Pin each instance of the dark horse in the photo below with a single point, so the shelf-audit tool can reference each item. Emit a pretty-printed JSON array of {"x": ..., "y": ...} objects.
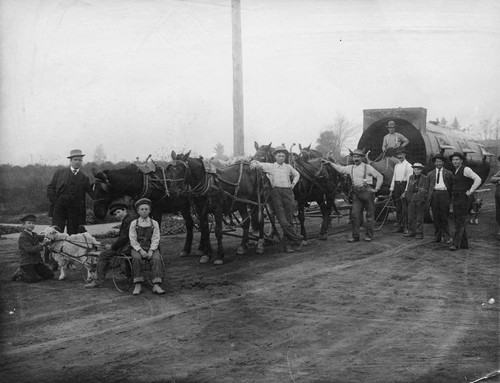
[
  {"x": 219, "y": 192},
  {"x": 317, "y": 183},
  {"x": 131, "y": 181}
]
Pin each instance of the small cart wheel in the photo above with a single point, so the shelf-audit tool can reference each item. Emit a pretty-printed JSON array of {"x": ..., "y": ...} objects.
[{"x": 121, "y": 273}]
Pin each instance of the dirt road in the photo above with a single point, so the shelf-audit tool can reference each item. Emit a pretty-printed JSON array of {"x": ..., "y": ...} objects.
[{"x": 394, "y": 310}]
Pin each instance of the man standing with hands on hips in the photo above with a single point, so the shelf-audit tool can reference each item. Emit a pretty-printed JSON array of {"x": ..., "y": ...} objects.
[{"x": 465, "y": 182}]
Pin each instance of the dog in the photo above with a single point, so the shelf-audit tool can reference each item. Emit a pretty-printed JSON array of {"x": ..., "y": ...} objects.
[
  {"x": 474, "y": 205},
  {"x": 67, "y": 249}
]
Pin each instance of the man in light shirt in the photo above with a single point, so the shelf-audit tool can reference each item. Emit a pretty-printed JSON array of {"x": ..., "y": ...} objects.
[
  {"x": 440, "y": 182},
  {"x": 392, "y": 140},
  {"x": 465, "y": 182},
  {"x": 363, "y": 192},
  {"x": 283, "y": 179},
  {"x": 402, "y": 173}
]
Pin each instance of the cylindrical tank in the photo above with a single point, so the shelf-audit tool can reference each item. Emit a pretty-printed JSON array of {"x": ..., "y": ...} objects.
[{"x": 426, "y": 139}]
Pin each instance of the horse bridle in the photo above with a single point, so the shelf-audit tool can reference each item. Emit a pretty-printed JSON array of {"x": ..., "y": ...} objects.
[{"x": 184, "y": 184}]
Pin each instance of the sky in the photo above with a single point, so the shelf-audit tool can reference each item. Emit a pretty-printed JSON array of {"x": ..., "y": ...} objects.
[{"x": 144, "y": 77}]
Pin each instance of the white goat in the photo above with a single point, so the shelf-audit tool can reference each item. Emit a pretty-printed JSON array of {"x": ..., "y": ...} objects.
[{"x": 69, "y": 248}]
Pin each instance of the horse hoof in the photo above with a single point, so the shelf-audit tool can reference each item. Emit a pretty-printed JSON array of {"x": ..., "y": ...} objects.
[
  {"x": 199, "y": 252},
  {"x": 183, "y": 254},
  {"x": 204, "y": 259},
  {"x": 305, "y": 243},
  {"x": 240, "y": 250},
  {"x": 218, "y": 262}
]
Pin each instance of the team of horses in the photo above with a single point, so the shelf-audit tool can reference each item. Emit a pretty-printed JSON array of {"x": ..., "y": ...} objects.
[{"x": 194, "y": 186}]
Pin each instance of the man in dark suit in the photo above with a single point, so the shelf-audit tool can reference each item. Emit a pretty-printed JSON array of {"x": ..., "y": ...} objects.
[
  {"x": 440, "y": 181},
  {"x": 66, "y": 193},
  {"x": 120, "y": 246}
]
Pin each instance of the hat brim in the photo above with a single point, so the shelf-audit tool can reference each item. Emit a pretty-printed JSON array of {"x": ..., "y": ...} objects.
[
  {"x": 281, "y": 151},
  {"x": 77, "y": 155},
  {"x": 113, "y": 209},
  {"x": 442, "y": 158},
  {"x": 457, "y": 155}
]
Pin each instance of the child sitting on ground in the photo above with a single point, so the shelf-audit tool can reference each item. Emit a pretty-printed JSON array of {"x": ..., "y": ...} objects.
[
  {"x": 31, "y": 267},
  {"x": 144, "y": 236}
]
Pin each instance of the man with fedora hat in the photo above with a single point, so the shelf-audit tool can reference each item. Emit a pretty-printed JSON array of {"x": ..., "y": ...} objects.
[
  {"x": 120, "y": 246},
  {"x": 465, "y": 182},
  {"x": 495, "y": 179},
  {"x": 363, "y": 192},
  {"x": 393, "y": 140},
  {"x": 440, "y": 184},
  {"x": 416, "y": 195},
  {"x": 66, "y": 193},
  {"x": 400, "y": 177},
  {"x": 283, "y": 178}
]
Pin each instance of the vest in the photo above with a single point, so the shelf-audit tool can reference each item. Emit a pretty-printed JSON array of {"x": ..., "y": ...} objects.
[
  {"x": 461, "y": 183},
  {"x": 144, "y": 235}
]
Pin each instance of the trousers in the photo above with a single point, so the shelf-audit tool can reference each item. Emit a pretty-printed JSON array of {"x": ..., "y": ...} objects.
[
  {"x": 156, "y": 263},
  {"x": 283, "y": 203},
  {"x": 362, "y": 200},
  {"x": 460, "y": 212}
]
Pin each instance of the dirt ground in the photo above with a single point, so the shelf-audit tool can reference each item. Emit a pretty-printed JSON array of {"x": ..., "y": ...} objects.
[{"x": 394, "y": 310}]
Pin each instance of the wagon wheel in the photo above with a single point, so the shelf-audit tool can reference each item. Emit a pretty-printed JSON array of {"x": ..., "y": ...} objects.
[{"x": 120, "y": 272}]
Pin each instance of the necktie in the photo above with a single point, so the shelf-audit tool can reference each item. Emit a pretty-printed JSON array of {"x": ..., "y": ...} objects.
[
  {"x": 439, "y": 173},
  {"x": 75, "y": 171}
]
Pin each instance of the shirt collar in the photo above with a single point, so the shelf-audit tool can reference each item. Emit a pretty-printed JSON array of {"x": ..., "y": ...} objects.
[{"x": 73, "y": 169}]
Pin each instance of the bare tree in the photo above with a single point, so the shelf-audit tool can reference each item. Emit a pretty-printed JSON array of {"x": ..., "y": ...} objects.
[
  {"x": 455, "y": 125},
  {"x": 99, "y": 155},
  {"x": 335, "y": 135}
]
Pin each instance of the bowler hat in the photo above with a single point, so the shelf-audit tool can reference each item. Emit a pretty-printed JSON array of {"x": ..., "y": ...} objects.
[
  {"x": 280, "y": 149},
  {"x": 418, "y": 165},
  {"x": 142, "y": 201},
  {"x": 117, "y": 206},
  {"x": 438, "y": 156},
  {"x": 391, "y": 124},
  {"x": 457, "y": 154},
  {"x": 29, "y": 217},
  {"x": 357, "y": 152},
  {"x": 76, "y": 153}
]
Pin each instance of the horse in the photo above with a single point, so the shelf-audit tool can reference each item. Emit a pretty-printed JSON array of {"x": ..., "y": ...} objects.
[
  {"x": 220, "y": 192},
  {"x": 317, "y": 183},
  {"x": 132, "y": 181}
]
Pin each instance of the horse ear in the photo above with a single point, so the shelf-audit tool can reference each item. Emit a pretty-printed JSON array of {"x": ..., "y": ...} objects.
[
  {"x": 186, "y": 156},
  {"x": 309, "y": 147},
  {"x": 350, "y": 152},
  {"x": 256, "y": 145},
  {"x": 173, "y": 155},
  {"x": 270, "y": 144},
  {"x": 300, "y": 147}
]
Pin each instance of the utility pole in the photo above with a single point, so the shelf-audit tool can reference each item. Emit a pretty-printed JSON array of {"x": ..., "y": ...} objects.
[{"x": 238, "y": 125}]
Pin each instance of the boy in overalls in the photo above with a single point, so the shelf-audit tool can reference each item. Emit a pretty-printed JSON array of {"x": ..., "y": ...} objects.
[{"x": 144, "y": 236}]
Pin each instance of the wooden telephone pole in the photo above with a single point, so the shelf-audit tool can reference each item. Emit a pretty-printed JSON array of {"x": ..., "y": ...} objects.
[{"x": 238, "y": 125}]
